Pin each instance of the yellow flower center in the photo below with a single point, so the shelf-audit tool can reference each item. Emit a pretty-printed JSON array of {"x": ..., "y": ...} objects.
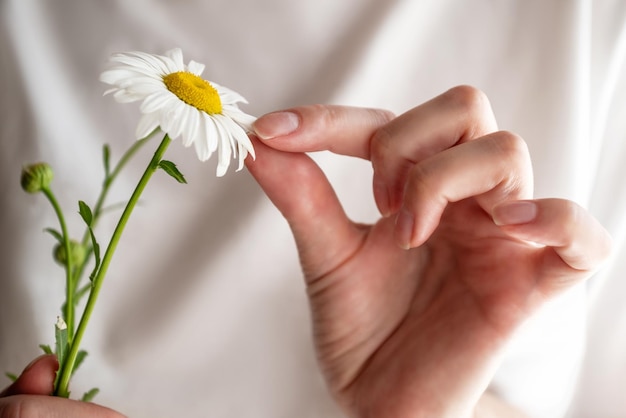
[{"x": 194, "y": 91}]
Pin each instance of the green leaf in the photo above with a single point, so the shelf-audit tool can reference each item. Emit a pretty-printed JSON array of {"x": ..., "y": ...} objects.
[
  {"x": 106, "y": 157},
  {"x": 46, "y": 348},
  {"x": 88, "y": 396},
  {"x": 60, "y": 337},
  {"x": 87, "y": 215},
  {"x": 171, "y": 169},
  {"x": 80, "y": 357},
  {"x": 56, "y": 234},
  {"x": 85, "y": 212},
  {"x": 12, "y": 377}
]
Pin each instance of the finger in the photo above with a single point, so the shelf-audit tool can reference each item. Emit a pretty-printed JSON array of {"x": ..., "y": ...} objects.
[
  {"x": 576, "y": 243},
  {"x": 36, "y": 379},
  {"x": 28, "y": 406},
  {"x": 340, "y": 129},
  {"x": 491, "y": 169},
  {"x": 458, "y": 115},
  {"x": 299, "y": 189}
]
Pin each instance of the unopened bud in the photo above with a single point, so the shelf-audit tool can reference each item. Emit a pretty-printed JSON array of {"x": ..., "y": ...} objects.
[
  {"x": 36, "y": 177},
  {"x": 77, "y": 253}
]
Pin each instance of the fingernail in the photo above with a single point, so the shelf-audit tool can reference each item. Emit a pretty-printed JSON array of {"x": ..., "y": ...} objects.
[
  {"x": 404, "y": 228},
  {"x": 514, "y": 213},
  {"x": 276, "y": 124}
]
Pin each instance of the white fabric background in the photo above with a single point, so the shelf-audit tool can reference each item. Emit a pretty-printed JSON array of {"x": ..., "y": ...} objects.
[{"x": 204, "y": 312}]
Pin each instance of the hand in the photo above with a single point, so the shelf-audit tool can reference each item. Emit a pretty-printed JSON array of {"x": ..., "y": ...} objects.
[
  {"x": 28, "y": 396},
  {"x": 417, "y": 329}
]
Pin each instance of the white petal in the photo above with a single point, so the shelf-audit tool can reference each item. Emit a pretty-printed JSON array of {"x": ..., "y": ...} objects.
[
  {"x": 123, "y": 96},
  {"x": 144, "y": 89},
  {"x": 170, "y": 119},
  {"x": 202, "y": 149},
  {"x": 244, "y": 141},
  {"x": 228, "y": 96},
  {"x": 146, "y": 64},
  {"x": 201, "y": 135},
  {"x": 190, "y": 133},
  {"x": 195, "y": 67},
  {"x": 156, "y": 63},
  {"x": 156, "y": 101},
  {"x": 176, "y": 55},
  {"x": 147, "y": 123},
  {"x": 241, "y": 151},
  {"x": 225, "y": 136},
  {"x": 224, "y": 150},
  {"x": 179, "y": 120},
  {"x": 213, "y": 132},
  {"x": 241, "y": 118},
  {"x": 237, "y": 134},
  {"x": 119, "y": 76},
  {"x": 131, "y": 71}
]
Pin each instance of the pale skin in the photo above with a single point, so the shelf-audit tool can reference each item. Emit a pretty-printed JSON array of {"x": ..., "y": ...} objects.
[
  {"x": 29, "y": 396},
  {"x": 411, "y": 314}
]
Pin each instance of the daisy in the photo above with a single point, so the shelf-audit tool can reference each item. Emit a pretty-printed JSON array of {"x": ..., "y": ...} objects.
[{"x": 180, "y": 102}]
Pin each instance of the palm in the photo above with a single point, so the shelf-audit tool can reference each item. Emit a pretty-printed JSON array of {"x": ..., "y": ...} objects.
[{"x": 378, "y": 315}]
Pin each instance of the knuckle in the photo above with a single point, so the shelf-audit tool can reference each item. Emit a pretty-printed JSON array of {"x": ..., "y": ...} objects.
[
  {"x": 421, "y": 181},
  {"x": 325, "y": 117},
  {"x": 511, "y": 146},
  {"x": 512, "y": 151},
  {"x": 380, "y": 144},
  {"x": 469, "y": 98},
  {"x": 474, "y": 104},
  {"x": 381, "y": 116},
  {"x": 382, "y": 138}
]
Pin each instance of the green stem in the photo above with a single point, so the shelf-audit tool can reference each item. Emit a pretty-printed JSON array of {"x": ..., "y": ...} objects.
[
  {"x": 69, "y": 305},
  {"x": 97, "y": 209},
  {"x": 70, "y": 359}
]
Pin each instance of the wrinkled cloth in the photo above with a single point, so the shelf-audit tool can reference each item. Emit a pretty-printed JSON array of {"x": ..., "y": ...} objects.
[{"x": 203, "y": 312}]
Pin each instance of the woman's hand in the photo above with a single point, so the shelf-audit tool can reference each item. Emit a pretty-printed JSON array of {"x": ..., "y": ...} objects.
[
  {"x": 29, "y": 396},
  {"x": 411, "y": 314}
]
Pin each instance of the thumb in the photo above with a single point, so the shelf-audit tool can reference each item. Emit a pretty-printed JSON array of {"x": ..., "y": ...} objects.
[
  {"x": 299, "y": 189},
  {"x": 36, "y": 379}
]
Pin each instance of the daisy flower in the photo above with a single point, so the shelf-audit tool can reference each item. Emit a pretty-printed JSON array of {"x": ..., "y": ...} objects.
[{"x": 176, "y": 99}]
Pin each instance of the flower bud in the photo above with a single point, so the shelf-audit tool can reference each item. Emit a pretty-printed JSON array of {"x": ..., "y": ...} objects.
[
  {"x": 36, "y": 177},
  {"x": 77, "y": 253}
]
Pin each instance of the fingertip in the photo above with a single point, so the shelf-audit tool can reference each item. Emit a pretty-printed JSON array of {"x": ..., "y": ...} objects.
[
  {"x": 48, "y": 361},
  {"x": 37, "y": 378},
  {"x": 340, "y": 129},
  {"x": 276, "y": 124},
  {"x": 578, "y": 238}
]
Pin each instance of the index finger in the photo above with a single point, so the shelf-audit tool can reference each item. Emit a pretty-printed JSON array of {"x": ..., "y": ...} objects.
[{"x": 340, "y": 129}]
